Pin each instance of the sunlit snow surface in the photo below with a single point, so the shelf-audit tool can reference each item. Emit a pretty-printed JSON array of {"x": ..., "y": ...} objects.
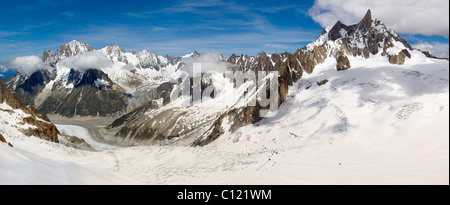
[{"x": 375, "y": 123}]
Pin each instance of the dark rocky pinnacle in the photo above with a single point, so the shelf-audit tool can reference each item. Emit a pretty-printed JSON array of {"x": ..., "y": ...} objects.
[{"x": 367, "y": 20}]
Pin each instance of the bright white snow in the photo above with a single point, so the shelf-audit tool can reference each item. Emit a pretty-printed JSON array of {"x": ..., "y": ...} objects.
[{"x": 376, "y": 123}]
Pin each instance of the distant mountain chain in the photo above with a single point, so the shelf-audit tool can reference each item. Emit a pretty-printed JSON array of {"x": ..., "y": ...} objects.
[{"x": 137, "y": 87}]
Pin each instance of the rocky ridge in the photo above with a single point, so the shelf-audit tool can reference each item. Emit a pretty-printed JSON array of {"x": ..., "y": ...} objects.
[
  {"x": 38, "y": 125},
  {"x": 341, "y": 42}
]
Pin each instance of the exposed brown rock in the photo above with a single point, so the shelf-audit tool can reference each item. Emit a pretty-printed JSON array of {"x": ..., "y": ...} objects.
[
  {"x": 400, "y": 57},
  {"x": 240, "y": 117},
  {"x": 322, "y": 82},
  {"x": 8, "y": 96},
  {"x": 45, "y": 117},
  {"x": 309, "y": 59},
  {"x": 47, "y": 56},
  {"x": 44, "y": 128},
  {"x": 367, "y": 20},
  {"x": 75, "y": 142},
  {"x": 2, "y": 139},
  {"x": 342, "y": 63}
]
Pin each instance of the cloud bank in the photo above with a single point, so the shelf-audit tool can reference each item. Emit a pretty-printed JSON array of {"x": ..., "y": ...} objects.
[
  {"x": 83, "y": 62},
  {"x": 28, "y": 64},
  {"x": 404, "y": 16},
  {"x": 210, "y": 62},
  {"x": 437, "y": 49}
]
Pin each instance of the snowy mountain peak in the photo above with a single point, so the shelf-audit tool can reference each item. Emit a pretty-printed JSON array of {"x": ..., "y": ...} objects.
[
  {"x": 71, "y": 49},
  {"x": 150, "y": 60},
  {"x": 115, "y": 52},
  {"x": 194, "y": 54},
  {"x": 363, "y": 28}
]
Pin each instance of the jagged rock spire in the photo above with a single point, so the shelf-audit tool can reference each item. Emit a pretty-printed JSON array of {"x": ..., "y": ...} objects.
[{"x": 367, "y": 20}]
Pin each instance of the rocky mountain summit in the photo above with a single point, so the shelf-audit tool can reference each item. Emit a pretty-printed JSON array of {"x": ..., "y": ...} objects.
[
  {"x": 66, "y": 50},
  {"x": 367, "y": 38}
]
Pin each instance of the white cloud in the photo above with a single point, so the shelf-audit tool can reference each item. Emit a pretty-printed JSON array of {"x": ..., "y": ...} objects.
[
  {"x": 404, "y": 16},
  {"x": 4, "y": 34},
  {"x": 210, "y": 62},
  {"x": 437, "y": 49},
  {"x": 3, "y": 68},
  {"x": 83, "y": 62},
  {"x": 28, "y": 64}
]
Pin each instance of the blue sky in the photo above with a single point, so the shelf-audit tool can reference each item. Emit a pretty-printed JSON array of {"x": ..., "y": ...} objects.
[{"x": 171, "y": 27}]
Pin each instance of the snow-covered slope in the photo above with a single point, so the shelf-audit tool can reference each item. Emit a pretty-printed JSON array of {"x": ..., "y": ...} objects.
[
  {"x": 21, "y": 167},
  {"x": 357, "y": 106},
  {"x": 376, "y": 123}
]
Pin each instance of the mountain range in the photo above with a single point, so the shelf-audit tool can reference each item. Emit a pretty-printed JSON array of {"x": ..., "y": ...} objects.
[
  {"x": 135, "y": 87},
  {"x": 358, "y": 105}
]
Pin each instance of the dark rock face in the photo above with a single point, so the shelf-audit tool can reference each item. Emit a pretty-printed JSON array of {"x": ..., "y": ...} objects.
[
  {"x": 92, "y": 77},
  {"x": 94, "y": 94},
  {"x": 74, "y": 76},
  {"x": 334, "y": 33},
  {"x": 34, "y": 85},
  {"x": 86, "y": 101}
]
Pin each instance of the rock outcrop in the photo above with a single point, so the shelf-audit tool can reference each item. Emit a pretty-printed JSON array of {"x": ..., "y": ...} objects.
[
  {"x": 400, "y": 57},
  {"x": 9, "y": 97},
  {"x": 40, "y": 127},
  {"x": 342, "y": 63},
  {"x": 3, "y": 140}
]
